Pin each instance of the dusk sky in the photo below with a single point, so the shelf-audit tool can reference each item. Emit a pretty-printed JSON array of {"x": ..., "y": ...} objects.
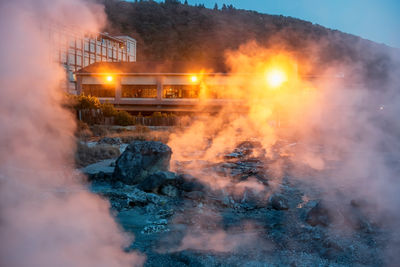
[{"x": 376, "y": 20}]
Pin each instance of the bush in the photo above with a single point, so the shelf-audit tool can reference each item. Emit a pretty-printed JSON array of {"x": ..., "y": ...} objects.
[
  {"x": 123, "y": 118},
  {"x": 87, "y": 102},
  {"x": 156, "y": 114},
  {"x": 108, "y": 110}
]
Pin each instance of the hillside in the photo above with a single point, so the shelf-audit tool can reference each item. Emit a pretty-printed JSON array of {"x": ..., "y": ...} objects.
[{"x": 175, "y": 31}]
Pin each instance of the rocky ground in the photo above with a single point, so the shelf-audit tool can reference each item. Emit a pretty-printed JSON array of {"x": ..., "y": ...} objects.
[{"x": 256, "y": 218}]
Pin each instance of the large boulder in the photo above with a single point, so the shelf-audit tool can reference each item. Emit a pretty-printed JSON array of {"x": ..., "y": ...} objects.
[{"x": 141, "y": 159}]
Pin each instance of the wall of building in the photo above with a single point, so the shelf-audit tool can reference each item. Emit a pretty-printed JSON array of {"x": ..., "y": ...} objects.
[
  {"x": 161, "y": 87},
  {"x": 76, "y": 51}
]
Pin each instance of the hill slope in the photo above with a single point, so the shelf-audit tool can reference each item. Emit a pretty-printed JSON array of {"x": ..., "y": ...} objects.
[{"x": 178, "y": 32}]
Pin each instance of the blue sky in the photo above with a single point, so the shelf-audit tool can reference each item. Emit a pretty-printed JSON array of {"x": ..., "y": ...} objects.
[{"x": 376, "y": 20}]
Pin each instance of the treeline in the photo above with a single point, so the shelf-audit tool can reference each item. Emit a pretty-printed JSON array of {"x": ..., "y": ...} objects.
[{"x": 176, "y": 31}]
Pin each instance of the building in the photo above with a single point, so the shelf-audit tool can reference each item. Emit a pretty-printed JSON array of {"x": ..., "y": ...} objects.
[
  {"x": 151, "y": 86},
  {"x": 76, "y": 51}
]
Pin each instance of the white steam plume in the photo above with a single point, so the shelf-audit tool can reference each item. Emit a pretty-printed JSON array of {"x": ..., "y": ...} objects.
[{"x": 47, "y": 217}]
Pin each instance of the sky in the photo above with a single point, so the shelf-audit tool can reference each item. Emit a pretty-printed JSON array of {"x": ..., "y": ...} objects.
[{"x": 376, "y": 20}]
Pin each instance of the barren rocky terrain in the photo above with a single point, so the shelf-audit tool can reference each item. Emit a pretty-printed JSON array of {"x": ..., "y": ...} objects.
[{"x": 257, "y": 218}]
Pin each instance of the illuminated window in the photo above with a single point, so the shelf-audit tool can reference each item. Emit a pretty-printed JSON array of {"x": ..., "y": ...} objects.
[
  {"x": 99, "y": 90},
  {"x": 181, "y": 91},
  {"x": 139, "y": 91}
]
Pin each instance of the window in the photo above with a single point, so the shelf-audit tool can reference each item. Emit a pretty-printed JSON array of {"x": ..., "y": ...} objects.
[
  {"x": 92, "y": 47},
  {"x": 92, "y": 59},
  {"x": 181, "y": 91},
  {"x": 98, "y": 90},
  {"x": 132, "y": 50},
  {"x": 71, "y": 59},
  {"x": 86, "y": 46},
  {"x": 86, "y": 61},
  {"x": 139, "y": 91},
  {"x": 79, "y": 60}
]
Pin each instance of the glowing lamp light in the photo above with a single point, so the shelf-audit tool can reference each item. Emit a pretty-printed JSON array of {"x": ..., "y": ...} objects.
[
  {"x": 276, "y": 78},
  {"x": 109, "y": 78},
  {"x": 193, "y": 79}
]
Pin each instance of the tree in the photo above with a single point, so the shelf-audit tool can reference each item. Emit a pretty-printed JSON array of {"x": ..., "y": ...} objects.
[
  {"x": 186, "y": 2},
  {"x": 216, "y": 6}
]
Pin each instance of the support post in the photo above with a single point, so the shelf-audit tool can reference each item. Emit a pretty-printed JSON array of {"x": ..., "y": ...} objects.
[
  {"x": 159, "y": 88},
  {"x": 117, "y": 89}
]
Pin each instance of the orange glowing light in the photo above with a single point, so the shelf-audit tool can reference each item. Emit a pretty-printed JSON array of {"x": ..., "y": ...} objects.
[
  {"x": 109, "y": 78},
  {"x": 276, "y": 78},
  {"x": 193, "y": 79}
]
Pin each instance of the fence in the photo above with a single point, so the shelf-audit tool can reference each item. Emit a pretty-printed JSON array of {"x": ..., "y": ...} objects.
[{"x": 95, "y": 116}]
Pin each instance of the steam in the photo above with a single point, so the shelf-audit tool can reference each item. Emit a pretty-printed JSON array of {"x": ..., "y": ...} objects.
[
  {"x": 345, "y": 133},
  {"x": 48, "y": 218}
]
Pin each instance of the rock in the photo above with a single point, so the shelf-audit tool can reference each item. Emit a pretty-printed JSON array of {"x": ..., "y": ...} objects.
[
  {"x": 141, "y": 159},
  {"x": 170, "y": 191},
  {"x": 194, "y": 195},
  {"x": 153, "y": 182},
  {"x": 278, "y": 202},
  {"x": 139, "y": 198},
  {"x": 110, "y": 141},
  {"x": 233, "y": 155},
  {"x": 99, "y": 171},
  {"x": 189, "y": 183},
  {"x": 152, "y": 229},
  {"x": 319, "y": 215}
]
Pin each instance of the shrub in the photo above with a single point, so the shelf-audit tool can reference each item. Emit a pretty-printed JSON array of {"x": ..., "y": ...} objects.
[
  {"x": 156, "y": 114},
  {"x": 108, "y": 110},
  {"x": 123, "y": 118},
  {"x": 87, "y": 102}
]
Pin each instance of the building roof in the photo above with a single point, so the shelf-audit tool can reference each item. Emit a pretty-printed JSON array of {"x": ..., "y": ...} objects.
[{"x": 149, "y": 67}]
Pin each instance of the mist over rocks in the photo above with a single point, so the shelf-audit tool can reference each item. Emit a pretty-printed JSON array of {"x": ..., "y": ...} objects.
[
  {"x": 141, "y": 159},
  {"x": 179, "y": 217}
]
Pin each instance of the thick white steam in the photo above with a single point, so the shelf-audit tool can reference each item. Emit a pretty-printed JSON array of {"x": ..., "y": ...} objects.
[{"x": 47, "y": 217}]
